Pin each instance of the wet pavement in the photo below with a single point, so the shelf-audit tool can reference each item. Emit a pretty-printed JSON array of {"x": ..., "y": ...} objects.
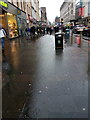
[{"x": 40, "y": 82}]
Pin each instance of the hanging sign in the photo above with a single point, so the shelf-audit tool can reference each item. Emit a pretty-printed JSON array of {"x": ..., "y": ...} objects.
[
  {"x": 81, "y": 11},
  {"x": 18, "y": 12},
  {"x": 4, "y": 4}
]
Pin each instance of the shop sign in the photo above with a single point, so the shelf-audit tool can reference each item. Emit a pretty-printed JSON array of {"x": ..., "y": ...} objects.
[
  {"x": 18, "y": 12},
  {"x": 4, "y": 4},
  {"x": 81, "y": 11}
]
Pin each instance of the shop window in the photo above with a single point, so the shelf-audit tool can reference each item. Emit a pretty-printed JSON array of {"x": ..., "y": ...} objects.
[
  {"x": 12, "y": 25},
  {"x": 72, "y": 5}
]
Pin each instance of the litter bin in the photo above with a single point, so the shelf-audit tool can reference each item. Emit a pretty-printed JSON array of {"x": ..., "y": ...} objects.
[
  {"x": 67, "y": 34},
  {"x": 59, "y": 40}
]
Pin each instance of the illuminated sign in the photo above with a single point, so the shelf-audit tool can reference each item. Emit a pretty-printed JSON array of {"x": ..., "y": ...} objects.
[
  {"x": 3, "y": 4},
  {"x": 18, "y": 12}
]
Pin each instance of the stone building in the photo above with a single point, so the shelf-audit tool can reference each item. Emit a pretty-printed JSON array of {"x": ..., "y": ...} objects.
[
  {"x": 31, "y": 7},
  {"x": 43, "y": 14},
  {"x": 82, "y": 12},
  {"x": 16, "y": 15},
  {"x": 67, "y": 11}
]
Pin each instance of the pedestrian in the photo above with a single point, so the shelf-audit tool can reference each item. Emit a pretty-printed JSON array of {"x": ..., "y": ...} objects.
[
  {"x": 56, "y": 29},
  {"x": 2, "y": 37},
  {"x": 47, "y": 29},
  {"x": 27, "y": 32},
  {"x": 32, "y": 31},
  {"x": 51, "y": 30}
]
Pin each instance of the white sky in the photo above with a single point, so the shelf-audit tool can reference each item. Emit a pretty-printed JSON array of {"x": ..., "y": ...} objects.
[{"x": 52, "y": 8}]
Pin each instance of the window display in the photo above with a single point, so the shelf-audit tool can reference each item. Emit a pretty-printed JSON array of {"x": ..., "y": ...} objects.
[{"x": 12, "y": 25}]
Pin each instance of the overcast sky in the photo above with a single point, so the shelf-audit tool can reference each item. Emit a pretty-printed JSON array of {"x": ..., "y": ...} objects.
[{"x": 52, "y": 7}]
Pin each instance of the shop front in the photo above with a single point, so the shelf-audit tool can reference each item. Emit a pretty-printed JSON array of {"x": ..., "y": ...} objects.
[
  {"x": 13, "y": 22},
  {"x": 21, "y": 21},
  {"x": 8, "y": 19},
  {"x": 12, "y": 25}
]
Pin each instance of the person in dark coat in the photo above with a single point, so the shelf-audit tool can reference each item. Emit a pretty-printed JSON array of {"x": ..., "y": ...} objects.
[
  {"x": 47, "y": 29},
  {"x": 56, "y": 29},
  {"x": 51, "y": 30},
  {"x": 32, "y": 31}
]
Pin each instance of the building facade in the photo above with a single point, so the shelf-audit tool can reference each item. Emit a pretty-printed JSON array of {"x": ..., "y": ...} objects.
[
  {"x": 15, "y": 15},
  {"x": 35, "y": 11},
  {"x": 12, "y": 18},
  {"x": 67, "y": 11},
  {"x": 31, "y": 7},
  {"x": 43, "y": 14},
  {"x": 82, "y": 12}
]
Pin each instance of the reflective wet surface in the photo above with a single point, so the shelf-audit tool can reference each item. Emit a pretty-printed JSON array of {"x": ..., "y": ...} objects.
[{"x": 41, "y": 82}]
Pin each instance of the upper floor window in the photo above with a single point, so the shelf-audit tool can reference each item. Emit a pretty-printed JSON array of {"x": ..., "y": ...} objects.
[
  {"x": 72, "y": 5},
  {"x": 71, "y": 11},
  {"x": 17, "y": 4},
  {"x": 24, "y": 4}
]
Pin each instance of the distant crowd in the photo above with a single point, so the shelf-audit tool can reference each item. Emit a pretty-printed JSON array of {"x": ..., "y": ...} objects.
[{"x": 40, "y": 30}]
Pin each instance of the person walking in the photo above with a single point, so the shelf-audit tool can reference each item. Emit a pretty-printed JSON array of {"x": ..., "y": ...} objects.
[
  {"x": 51, "y": 29},
  {"x": 27, "y": 32},
  {"x": 2, "y": 37},
  {"x": 32, "y": 30},
  {"x": 47, "y": 29}
]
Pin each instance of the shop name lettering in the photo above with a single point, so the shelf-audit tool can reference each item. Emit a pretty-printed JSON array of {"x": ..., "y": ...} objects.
[{"x": 4, "y": 4}]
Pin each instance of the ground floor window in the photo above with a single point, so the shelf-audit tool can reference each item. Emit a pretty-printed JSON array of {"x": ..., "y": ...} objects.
[{"x": 12, "y": 25}]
